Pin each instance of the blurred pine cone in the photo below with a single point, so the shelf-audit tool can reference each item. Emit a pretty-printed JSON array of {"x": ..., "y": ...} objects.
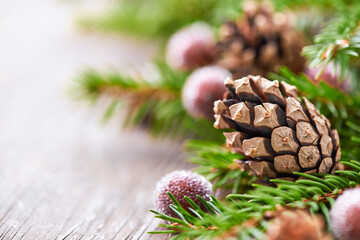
[
  {"x": 277, "y": 134},
  {"x": 259, "y": 42},
  {"x": 297, "y": 224}
]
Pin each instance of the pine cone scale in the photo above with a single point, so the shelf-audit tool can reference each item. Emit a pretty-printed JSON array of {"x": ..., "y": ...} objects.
[
  {"x": 277, "y": 133},
  {"x": 258, "y": 148},
  {"x": 283, "y": 141},
  {"x": 306, "y": 134},
  {"x": 286, "y": 164}
]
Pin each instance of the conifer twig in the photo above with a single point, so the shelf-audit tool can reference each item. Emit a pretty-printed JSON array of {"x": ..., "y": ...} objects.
[
  {"x": 337, "y": 42},
  {"x": 247, "y": 215},
  {"x": 156, "y": 106},
  {"x": 217, "y": 164}
]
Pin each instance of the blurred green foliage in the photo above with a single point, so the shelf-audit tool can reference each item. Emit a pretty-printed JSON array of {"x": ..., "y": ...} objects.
[
  {"x": 161, "y": 18},
  {"x": 155, "y": 106}
]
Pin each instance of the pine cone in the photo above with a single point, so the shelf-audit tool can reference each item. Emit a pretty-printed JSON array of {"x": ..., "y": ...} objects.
[
  {"x": 277, "y": 134},
  {"x": 259, "y": 42},
  {"x": 297, "y": 224}
]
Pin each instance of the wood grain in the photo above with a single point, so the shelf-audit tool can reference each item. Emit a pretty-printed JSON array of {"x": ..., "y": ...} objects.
[
  {"x": 63, "y": 174},
  {"x": 103, "y": 198}
]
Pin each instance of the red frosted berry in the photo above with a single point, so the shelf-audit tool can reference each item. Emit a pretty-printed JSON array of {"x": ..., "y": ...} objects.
[
  {"x": 330, "y": 77},
  {"x": 181, "y": 183},
  {"x": 345, "y": 215},
  {"x": 202, "y": 88},
  {"x": 191, "y": 47}
]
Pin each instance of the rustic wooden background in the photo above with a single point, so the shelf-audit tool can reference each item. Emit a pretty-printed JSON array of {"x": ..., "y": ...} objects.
[{"x": 64, "y": 175}]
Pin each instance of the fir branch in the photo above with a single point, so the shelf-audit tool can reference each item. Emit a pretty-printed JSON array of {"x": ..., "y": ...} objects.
[
  {"x": 217, "y": 165},
  {"x": 156, "y": 106},
  {"x": 337, "y": 43},
  {"x": 246, "y": 216},
  {"x": 324, "y": 5}
]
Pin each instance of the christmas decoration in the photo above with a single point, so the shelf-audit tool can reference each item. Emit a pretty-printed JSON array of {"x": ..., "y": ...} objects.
[
  {"x": 281, "y": 161},
  {"x": 277, "y": 134},
  {"x": 265, "y": 212},
  {"x": 180, "y": 184},
  {"x": 345, "y": 215},
  {"x": 259, "y": 42},
  {"x": 191, "y": 47},
  {"x": 202, "y": 88},
  {"x": 298, "y": 225}
]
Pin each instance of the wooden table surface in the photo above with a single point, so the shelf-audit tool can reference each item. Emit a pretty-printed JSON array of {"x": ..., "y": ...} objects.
[{"x": 63, "y": 174}]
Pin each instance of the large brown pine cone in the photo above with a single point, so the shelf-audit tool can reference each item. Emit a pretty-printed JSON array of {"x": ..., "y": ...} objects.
[
  {"x": 277, "y": 134},
  {"x": 259, "y": 42}
]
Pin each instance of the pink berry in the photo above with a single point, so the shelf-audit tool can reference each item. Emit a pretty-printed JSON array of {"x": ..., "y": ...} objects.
[
  {"x": 202, "y": 88},
  {"x": 181, "y": 183},
  {"x": 191, "y": 47},
  {"x": 330, "y": 77},
  {"x": 345, "y": 215}
]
